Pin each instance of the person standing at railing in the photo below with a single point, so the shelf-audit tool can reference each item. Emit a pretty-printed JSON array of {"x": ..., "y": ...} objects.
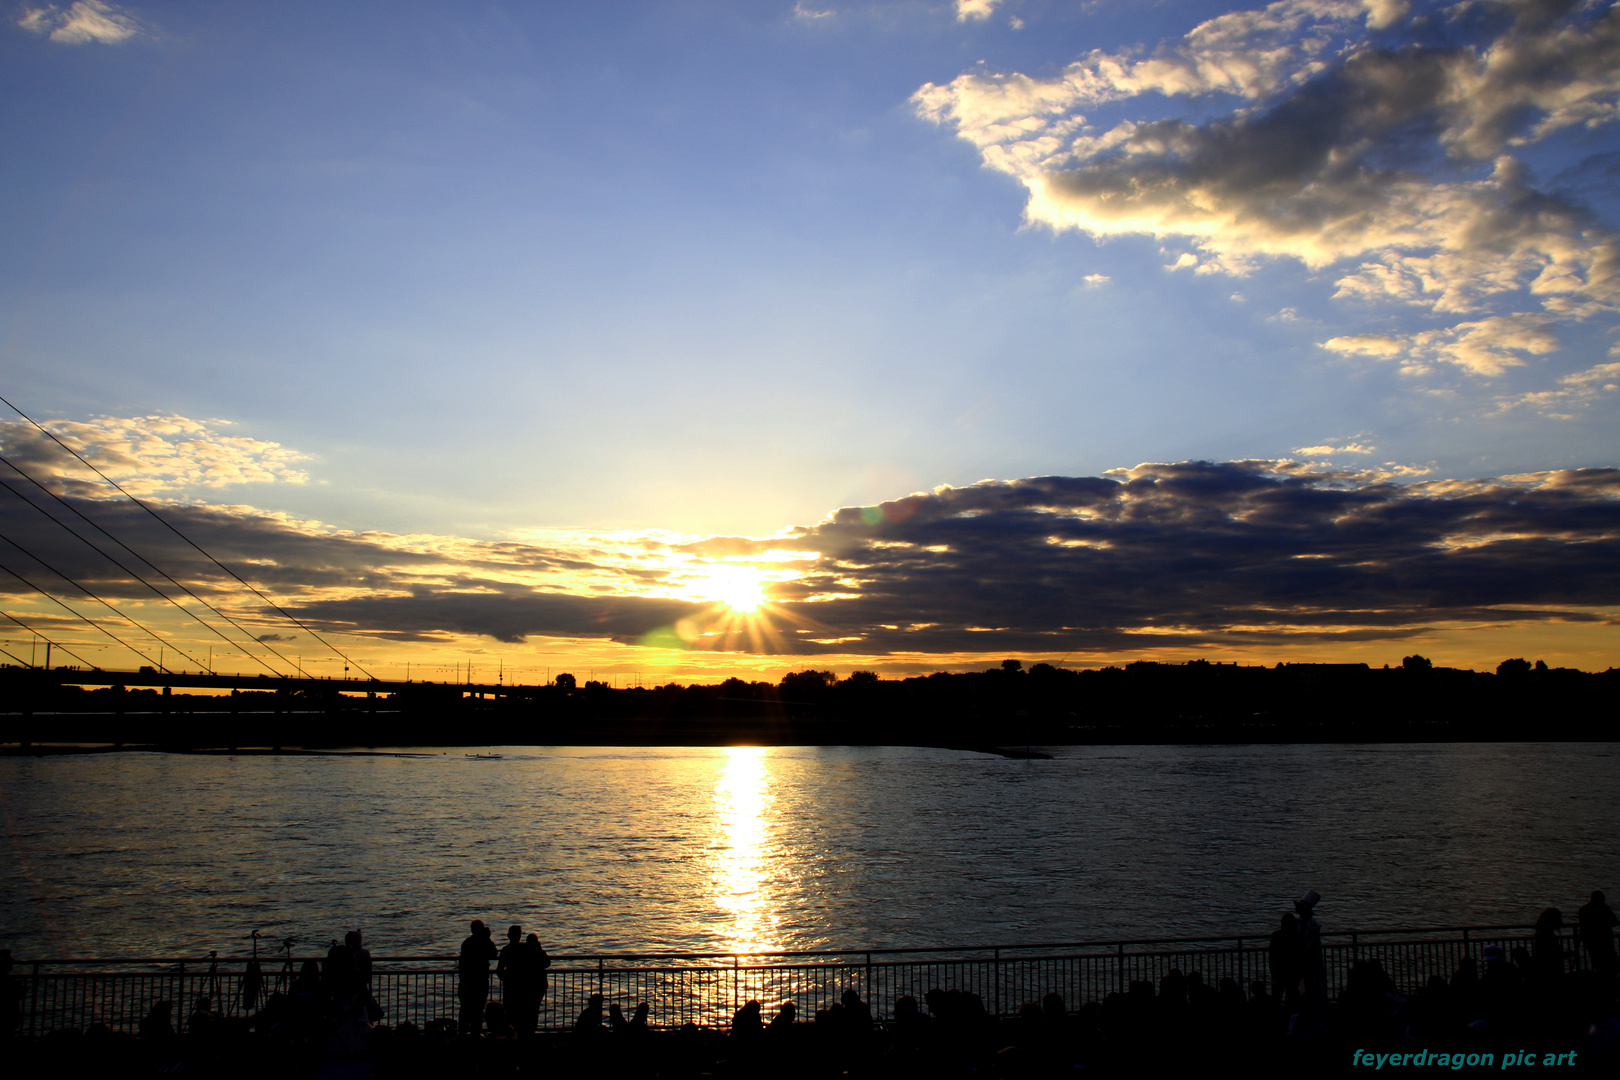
[
  {"x": 1312, "y": 965},
  {"x": 1547, "y": 950},
  {"x": 508, "y": 972},
  {"x": 472, "y": 972},
  {"x": 536, "y": 963},
  {"x": 361, "y": 955},
  {"x": 522, "y": 972},
  {"x": 1282, "y": 955},
  {"x": 1597, "y": 922}
]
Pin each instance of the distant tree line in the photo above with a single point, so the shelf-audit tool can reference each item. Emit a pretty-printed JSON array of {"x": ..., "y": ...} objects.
[{"x": 1006, "y": 705}]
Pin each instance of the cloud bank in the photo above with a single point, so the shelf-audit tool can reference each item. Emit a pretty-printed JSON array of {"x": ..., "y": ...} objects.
[
  {"x": 1198, "y": 554},
  {"x": 1364, "y": 142}
]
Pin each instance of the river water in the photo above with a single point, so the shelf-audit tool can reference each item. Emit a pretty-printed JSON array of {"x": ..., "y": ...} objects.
[{"x": 748, "y": 848}]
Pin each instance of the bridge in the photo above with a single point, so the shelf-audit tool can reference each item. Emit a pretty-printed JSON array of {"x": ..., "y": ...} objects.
[{"x": 203, "y": 680}]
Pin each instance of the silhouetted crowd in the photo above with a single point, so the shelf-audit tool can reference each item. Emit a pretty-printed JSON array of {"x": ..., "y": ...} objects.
[{"x": 1536, "y": 1004}]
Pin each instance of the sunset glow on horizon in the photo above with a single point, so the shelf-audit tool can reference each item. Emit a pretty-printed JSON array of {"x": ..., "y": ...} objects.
[{"x": 738, "y": 339}]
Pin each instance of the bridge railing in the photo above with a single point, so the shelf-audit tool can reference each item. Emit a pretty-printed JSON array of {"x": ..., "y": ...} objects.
[{"x": 707, "y": 988}]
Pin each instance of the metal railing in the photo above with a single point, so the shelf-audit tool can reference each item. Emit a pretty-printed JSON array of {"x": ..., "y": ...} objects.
[{"x": 707, "y": 988}]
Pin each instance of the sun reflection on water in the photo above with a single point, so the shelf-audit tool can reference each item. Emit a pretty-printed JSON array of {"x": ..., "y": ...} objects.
[{"x": 742, "y": 801}]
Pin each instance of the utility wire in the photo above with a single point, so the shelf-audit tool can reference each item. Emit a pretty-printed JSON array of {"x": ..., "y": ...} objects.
[
  {"x": 164, "y": 522},
  {"x": 94, "y": 597},
  {"x": 37, "y": 634},
  {"x": 221, "y": 634}
]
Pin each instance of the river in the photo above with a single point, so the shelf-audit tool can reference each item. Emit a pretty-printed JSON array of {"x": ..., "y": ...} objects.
[{"x": 749, "y": 848}]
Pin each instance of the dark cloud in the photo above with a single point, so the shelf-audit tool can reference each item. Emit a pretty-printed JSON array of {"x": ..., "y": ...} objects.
[
  {"x": 506, "y": 616},
  {"x": 1159, "y": 555}
]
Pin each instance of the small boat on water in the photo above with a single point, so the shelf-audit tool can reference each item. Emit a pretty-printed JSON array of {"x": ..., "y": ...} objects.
[{"x": 485, "y": 757}]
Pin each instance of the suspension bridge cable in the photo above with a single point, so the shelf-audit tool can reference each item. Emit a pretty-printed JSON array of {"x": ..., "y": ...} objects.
[
  {"x": 15, "y": 657},
  {"x": 98, "y": 600},
  {"x": 289, "y": 616},
  {"x": 36, "y": 633},
  {"x": 221, "y": 634}
]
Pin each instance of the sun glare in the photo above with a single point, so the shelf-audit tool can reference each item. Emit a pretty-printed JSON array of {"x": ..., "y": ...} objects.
[
  {"x": 742, "y": 801},
  {"x": 740, "y": 588}
]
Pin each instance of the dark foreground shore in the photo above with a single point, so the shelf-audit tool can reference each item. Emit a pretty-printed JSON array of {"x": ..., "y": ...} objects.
[{"x": 1505, "y": 1020}]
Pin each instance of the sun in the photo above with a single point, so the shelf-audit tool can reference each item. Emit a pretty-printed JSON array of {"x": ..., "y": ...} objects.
[{"x": 740, "y": 588}]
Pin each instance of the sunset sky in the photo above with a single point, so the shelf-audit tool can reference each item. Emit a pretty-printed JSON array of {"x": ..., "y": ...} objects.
[{"x": 689, "y": 339}]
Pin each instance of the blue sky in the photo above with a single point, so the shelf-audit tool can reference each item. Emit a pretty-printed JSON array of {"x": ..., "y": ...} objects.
[{"x": 490, "y": 270}]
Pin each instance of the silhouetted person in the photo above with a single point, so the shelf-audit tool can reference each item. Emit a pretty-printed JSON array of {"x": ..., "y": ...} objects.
[
  {"x": 1547, "y": 950},
  {"x": 1500, "y": 989},
  {"x": 1463, "y": 992},
  {"x": 341, "y": 977},
  {"x": 535, "y": 965},
  {"x": 588, "y": 1024},
  {"x": 746, "y": 1025},
  {"x": 857, "y": 1014},
  {"x": 350, "y": 1011},
  {"x": 517, "y": 970},
  {"x": 1173, "y": 991},
  {"x": 158, "y": 1023},
  {"x": 1596, "y": 920},
  {"x": 496, "y": 1023},
  {"x": 472, "y": 970},
  {"x": 909, "y": 1029},
  {"x": 1312, "y": 965},
  {"x": 203, "y": 1024},
  {"x": 362, "y": 956},
  {"x": 1283, "y": 956},
  {"x": 1430, "y": 1017},
  {"x": 781, "y": 1024},
  {"x": 306, "y": 1004}
]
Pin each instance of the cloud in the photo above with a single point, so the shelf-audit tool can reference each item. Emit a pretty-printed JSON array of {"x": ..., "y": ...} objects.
[
  {"x": 975, "y": 10},
  {"x": 146, "y": 454},
  {"x": 82, "y": 22},
  {"x": 1327, "y": 449},
  {"x": 802, "y": 12},
  {"x": 1388, "y": 163},
  {"x": 1574, "y": 391},
  {"x": 1095, "y": 281},
  {"x": 1382, "y": 346},
  {"x": 1486, "y": 347},
  {"x": 1195, "y": 553}
]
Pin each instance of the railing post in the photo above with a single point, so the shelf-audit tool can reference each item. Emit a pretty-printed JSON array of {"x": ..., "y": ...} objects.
[
  {"x": 33, "y": 1008},
  {"x": 1122, "y": 967},
  {"x": 735, "y": 961},
  {"x": 997, "y": 970},
  {"x": 871, "y": 998}
]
